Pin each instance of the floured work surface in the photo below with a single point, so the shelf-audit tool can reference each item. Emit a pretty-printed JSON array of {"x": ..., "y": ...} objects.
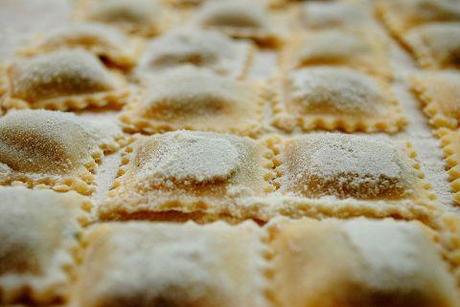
[{"x": 205, "y": 153}]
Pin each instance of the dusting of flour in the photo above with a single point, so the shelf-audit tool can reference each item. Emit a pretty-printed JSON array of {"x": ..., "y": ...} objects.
[
  {"x": 199, "y": 157},
  {"x": 339, "y": 89}
]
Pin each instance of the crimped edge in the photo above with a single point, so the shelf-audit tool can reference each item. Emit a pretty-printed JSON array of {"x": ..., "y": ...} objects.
[
  {"x": 391, "y": 123},
  {"x": 447, "y": 139},
  {"x": 429, "y": 105},
  {"x": 55, "y": 293},
  {"x": 379, "y": 52},
  {"x": 422, "y": 206},
  {"x": 177, "y": 209},
  {"x": 132, "y": 122},
  {"x": 81, "y": 181}
]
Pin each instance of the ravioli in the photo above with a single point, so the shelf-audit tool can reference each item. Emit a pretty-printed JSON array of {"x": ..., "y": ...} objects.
[
  {"x": 212, "y": 265},
  {"x": 361, "y": 50},
  {"x": 139, "y": 17},
  {"x": 53, "y": 149},
  {"x": 238, "y": 19},
  {"x": 196, "y": 99},
  {"x": 336, "y": 98},
  {"x": 38, "y": 231},
  {"x": 186, "y": 173},
  {"x": 341, "y": 175},
  {"x": 61, "y": 80},
  {"x": 201, "y": 48},
  {"x": 359, "y": 262}
]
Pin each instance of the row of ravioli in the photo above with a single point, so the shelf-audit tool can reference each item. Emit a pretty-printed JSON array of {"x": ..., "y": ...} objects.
[
  {"x": 329, "y": 88},
  {"x": 430, "y": 31},
  {"x": 187, "y": 97},
  {"x": 200, "y": 100},
  {"x": 335, "y": 73},
  {"x": 209, "y": 176},
  {"x": 50, "y": 255},
  {"x": 85, "y": 63}
]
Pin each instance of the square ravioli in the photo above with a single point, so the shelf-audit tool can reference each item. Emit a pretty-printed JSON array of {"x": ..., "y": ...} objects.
[
  {"x": 239, "y": 19},
  {"x": 359, "y": 262},
  {"x": 334, "y": 15},
  {"x": 400, "y": 16},
  {"x": 70, "y": 79},
  {"x": 439, "y": 95},
  {"x": 201, "y": 48},
  {"x": 108, "y": 43},
  {"x": 436, "y": 45},
  {"x": 335, "y": 98},
  {"x": 211, "y": 265},
  {"x": 450, "y": 143},
  {"x": 349, "y": 175},
  {"x": 196, "y": 99},
  {"x": 361, "y": 50},
  {"x": 53, "y": 149},
  {"x": 138, "y": 17},
  {"x": 183, "y": 174},
  {"x": 39, "y": 231}
]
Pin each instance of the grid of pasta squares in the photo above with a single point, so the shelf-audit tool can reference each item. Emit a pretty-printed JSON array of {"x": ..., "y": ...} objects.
[{"x": 230, "y": 153}]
